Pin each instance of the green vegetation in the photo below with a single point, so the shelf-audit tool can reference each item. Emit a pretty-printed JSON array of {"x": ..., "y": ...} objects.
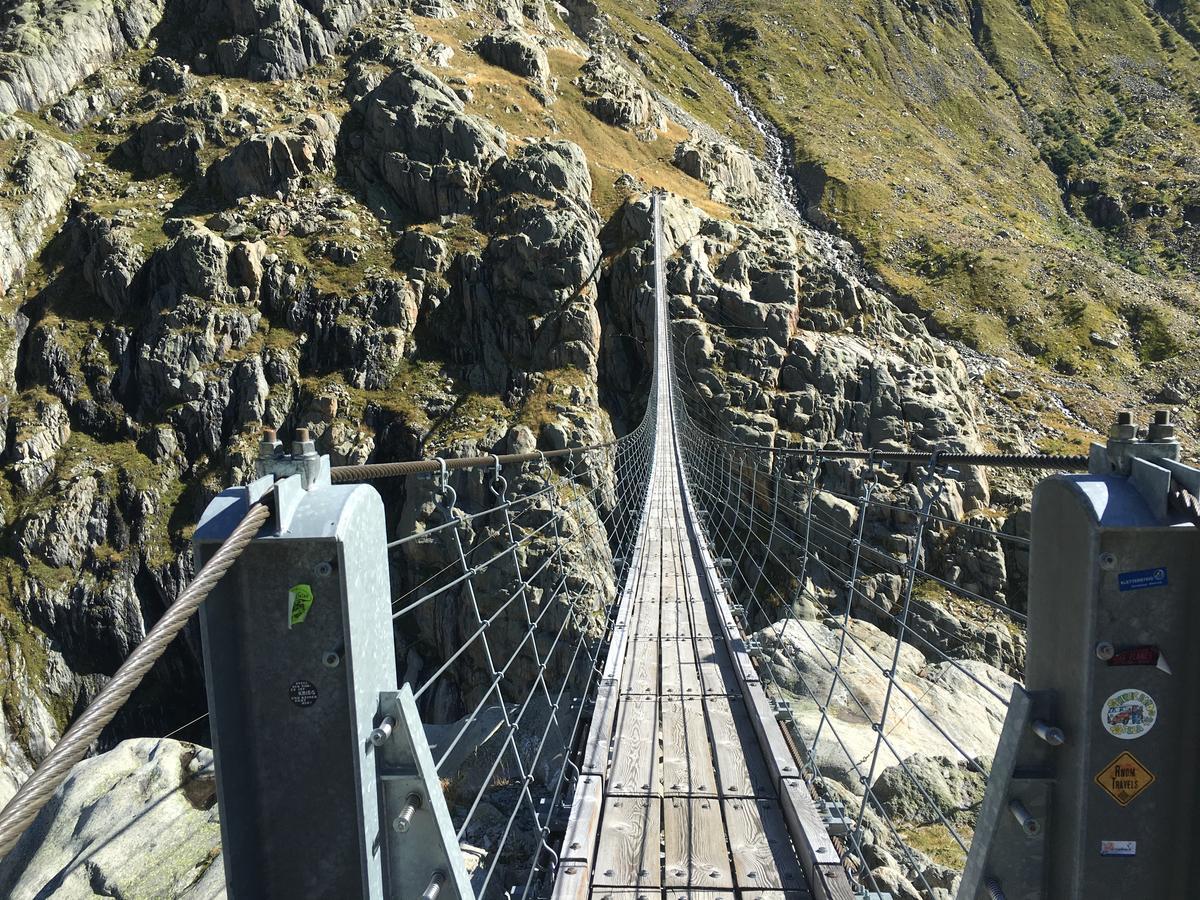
[
  {"x": 1020, "y": 177},
  {"x": 1152, "y": 335},
  {"x": 332, "y": 277},
  {"x": 550, "y": 398},
  {"x": 936, "y": 842},
  {"x": 24, "y": 647},
  {"x": 1064, "y": 147}
]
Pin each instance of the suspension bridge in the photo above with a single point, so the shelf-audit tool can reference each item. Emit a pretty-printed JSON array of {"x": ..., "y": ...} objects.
[{"x": 677, "y": 664}]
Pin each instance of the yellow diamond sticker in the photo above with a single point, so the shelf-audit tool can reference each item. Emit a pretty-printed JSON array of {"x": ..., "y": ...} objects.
[{"x": 1124, "y": 778}]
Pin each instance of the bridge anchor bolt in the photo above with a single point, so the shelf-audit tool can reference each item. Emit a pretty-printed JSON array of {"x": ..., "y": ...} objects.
[
  {"x": 1024, "y": 817},
  {"x": 380, "y": 735},
  {"x": 435, "y": 886},
  {"x": 404, "y": 820},
  {"x": 1051, "y": 734}
]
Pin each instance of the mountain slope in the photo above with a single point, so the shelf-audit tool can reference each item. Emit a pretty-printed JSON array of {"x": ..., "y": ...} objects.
[{"x": 1027, "y": 175}]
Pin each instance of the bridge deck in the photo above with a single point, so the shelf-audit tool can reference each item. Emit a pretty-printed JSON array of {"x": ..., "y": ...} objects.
[
  {"x": 675, "y": 797},
  {"x": 688, "y": 802}
]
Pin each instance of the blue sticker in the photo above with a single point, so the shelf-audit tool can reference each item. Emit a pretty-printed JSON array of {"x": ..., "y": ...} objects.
[{"x": 1146, "y": 578}]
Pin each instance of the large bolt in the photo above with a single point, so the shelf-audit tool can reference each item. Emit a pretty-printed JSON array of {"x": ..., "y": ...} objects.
[
  {"x": 1025, "y": 819},
  {"x": 302, "y": 444},
  {"x": 1123, "y": 429},
  {"x": 269, "y": 445},
  {"x": 404, "y": 820},
  {"x": 1161, "y": 428},
  {"x": 1051, "y": 734},
  {"x": 380, "y": 735},
  {"x": 435, "y": 886}
]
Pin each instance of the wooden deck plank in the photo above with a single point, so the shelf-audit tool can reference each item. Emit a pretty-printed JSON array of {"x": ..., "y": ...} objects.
[
  {"x": 635, "y": 768},
  {"x": 762, "y": 851},
  {"x": 687, "y": 752},
  {"x": 680, "y": 675},
  {"x": 705, "y": 624},
  {"x": 741, "y": 770},
  {"x": 676, "y": 623},
  {"x": 689, "y": 669},
  {"x": 643, "y": 621},
  {"x": 696, "y": 853},
  {"x": 579, "y": 839},
  {"x": 630, "y": 835},
  {"x": 639, "y": 675},
  {"x": 669, "y": 669},
  {"x": 716, "y": 668}
]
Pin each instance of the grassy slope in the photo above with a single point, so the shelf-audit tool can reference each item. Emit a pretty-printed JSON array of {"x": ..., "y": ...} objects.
[{"x": 941, "y": 140}]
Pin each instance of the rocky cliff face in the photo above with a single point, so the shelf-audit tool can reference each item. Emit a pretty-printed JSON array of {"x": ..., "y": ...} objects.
[{"x": 413, "y": 228}]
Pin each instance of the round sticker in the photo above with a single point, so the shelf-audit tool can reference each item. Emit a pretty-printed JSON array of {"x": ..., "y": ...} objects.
[
  {"x": 303, "y": 693},
  {"x": 1129, "y": 714}
]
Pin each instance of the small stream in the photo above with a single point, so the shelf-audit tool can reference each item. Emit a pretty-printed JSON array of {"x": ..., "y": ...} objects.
[{"x": 777, "y": 156}]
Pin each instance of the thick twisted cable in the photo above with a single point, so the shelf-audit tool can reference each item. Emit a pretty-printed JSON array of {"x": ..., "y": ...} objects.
[
  {"x": 343, "y": 474},
  {"x": 23, "y": 808}
]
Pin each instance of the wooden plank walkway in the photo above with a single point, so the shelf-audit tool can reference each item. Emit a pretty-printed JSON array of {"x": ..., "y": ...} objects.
[
  {"x": 675, "y": 799},
  {"x": 688, "y": 800}
]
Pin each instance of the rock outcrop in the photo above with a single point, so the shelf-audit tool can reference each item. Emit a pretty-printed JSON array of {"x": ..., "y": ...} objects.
[
  {"x": 433, "y": 9},
  {"x": 37, "y": 174},
  {"x": 266, "y": 41},
  {"x": 110, "y": 258},
  {"x": 960, "y": 698},
  {"x": 139, "y": 821},
  {"x": 40, "y": 429},
  {"x": 614, "y": 95},
  {"x": 417, "y": 149},
  {"x": 172, "y": 140},
  {"x": 781, "y": 320},
  {"x": 726, "y": 169},
  {"x": 525, "y": 304},
  {"x": 267, "y": 164},
  {"x": 516, "y": 51},
  {"x": 48, "y": 48}
]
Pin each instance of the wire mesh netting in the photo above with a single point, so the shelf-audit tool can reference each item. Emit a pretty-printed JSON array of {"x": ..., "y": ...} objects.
[{"x": 886, "y": 618}]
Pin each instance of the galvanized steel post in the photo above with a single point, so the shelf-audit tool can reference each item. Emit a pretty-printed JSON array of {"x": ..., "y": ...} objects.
[
  {"x": 297, "y": 649},
  {"x": 1094, "y": 790}
]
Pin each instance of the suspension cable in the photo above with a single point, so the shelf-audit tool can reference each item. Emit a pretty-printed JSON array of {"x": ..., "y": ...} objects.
[{"x": 23, "y": 808}]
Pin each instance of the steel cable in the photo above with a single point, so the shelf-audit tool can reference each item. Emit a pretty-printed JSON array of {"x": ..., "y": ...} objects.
[{"x": 23, "y": 808}]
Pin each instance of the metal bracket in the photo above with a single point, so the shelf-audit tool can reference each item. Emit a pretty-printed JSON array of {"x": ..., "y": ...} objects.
[
  {"x": 834, "y": 816},
  {"x": 304, "y": 461},
  {"x": 422, "y": 859},
  {"x": 1009, "y": 848},
  {"x": 783, "y": 710}
]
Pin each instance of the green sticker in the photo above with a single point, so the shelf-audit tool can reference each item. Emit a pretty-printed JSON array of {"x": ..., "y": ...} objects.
[{"x": 300, "y": 601}]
